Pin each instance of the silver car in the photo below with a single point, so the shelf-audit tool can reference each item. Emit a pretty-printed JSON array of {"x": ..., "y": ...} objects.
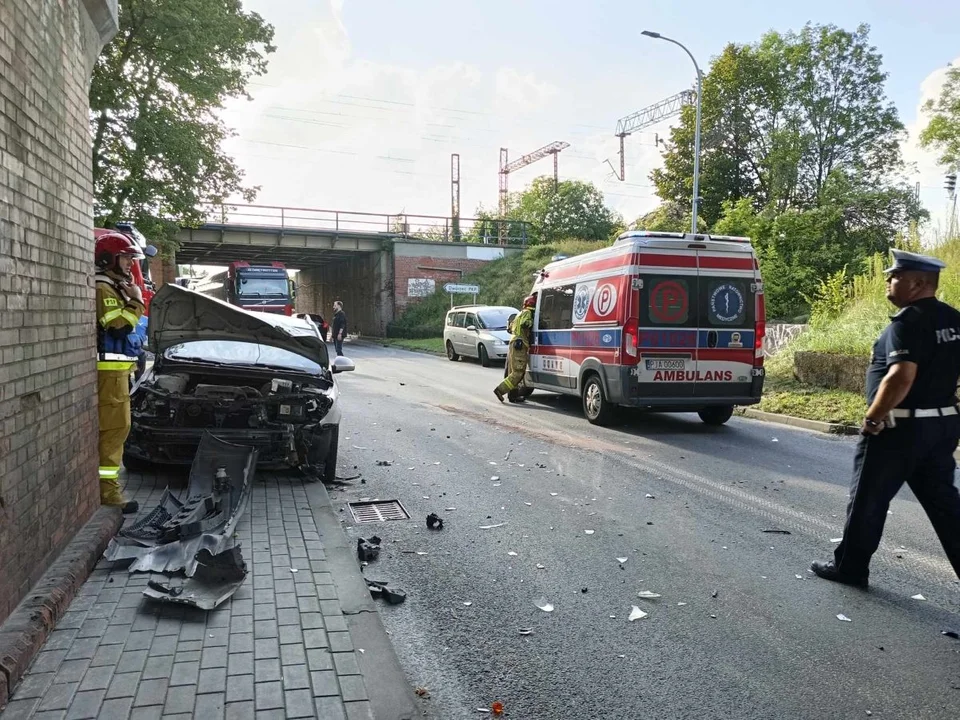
[{"x": 478, "y": 331}]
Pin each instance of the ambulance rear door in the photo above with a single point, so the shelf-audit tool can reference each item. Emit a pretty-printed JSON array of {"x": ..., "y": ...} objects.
[
  {"x": 668, "y": 319},
  {"x": 727, "y": 310}
]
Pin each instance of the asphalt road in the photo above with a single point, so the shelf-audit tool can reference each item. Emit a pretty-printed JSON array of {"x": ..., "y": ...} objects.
[{"x": 741, "y": 630}]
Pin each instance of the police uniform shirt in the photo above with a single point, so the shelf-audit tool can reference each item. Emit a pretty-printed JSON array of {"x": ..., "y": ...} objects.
[{"x": 926, "y": 333}]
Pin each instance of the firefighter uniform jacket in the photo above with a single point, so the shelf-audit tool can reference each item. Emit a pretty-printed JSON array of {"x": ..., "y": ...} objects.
[{"x": 117, "y": 320}]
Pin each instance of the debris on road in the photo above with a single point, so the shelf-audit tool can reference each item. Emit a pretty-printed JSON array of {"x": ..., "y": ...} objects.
[
  {"x": 637, "y": 614},
  {"x": 497, "y": 709},
  {"x": 843, "y": 618},
  {"x": 422, "y": 692},
  {"x": 491, "y": 527},
  {"x": 507, "y": 456},
  {"x": 494, "y": 478},
  {"x": 647, "y": 595},
  {"x": 553, "y": 494},
  {"x": 544, "y": 605},
  {"x": 681, "y": 604},
  {"x": 951, "y": 634},
  {"x": 836, "y": 540},
  {"x": 434, "y": 522},
  {"x": 467, "y": 603},
  {"x": 917, "y": 597},
  {"x": 368, "y": 550},
  {"x": 714, "y": 594},
  {"x": 512, "y": 553},
  {"x": 526, "y": 631},
  {"x": 621, "y": 560},
  {"x": 381, "y": 589},
  {"x": 384, "y": 463},
  {"x": 541, "y": 567},
  {"x": 347, "y": 479},
  {"x": 589, "y": 532},
  {"x": 777, "y": 532},
  {"x": 650, "y": 497}
]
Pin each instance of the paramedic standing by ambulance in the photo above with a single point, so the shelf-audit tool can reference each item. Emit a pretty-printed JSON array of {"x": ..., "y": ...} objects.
[
  {"x": 912, "y": 424},
  {"x": 518, "y": 354},
  {"x": 119, "y": 308}
]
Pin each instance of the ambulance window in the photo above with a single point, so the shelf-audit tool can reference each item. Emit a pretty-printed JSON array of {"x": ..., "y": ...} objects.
[
  {"x": 556, "y": 308},
  {"x": 667, "y": 301},
  {"x": 727, "y": 302}
]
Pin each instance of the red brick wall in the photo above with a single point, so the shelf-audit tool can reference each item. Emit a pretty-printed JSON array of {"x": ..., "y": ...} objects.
[
  {"x": 405, "y": 268},
  {"x": 48, "y": 378}
]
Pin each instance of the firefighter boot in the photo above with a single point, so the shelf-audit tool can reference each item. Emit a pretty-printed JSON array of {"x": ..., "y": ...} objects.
[
  {"x": 499, "y": 393},
  {"x": 112, "y": 496}
]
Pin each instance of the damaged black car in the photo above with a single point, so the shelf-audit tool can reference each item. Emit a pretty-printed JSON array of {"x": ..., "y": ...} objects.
[{"x": 255, "y": 379}]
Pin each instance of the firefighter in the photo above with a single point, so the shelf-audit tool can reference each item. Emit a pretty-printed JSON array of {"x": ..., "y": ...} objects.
[
  {"x": 119, "y": 309},
  {"x": 518, "y": 354}
]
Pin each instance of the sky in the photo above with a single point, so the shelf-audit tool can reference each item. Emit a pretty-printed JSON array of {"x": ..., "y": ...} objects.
[{"x": 366, "y": 100}]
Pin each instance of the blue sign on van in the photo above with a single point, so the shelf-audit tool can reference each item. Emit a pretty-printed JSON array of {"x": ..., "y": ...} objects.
[{"x": 726, "y": 303}]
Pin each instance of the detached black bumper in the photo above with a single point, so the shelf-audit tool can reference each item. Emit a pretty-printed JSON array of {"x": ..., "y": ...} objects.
[{"x": 294, "y": 445}]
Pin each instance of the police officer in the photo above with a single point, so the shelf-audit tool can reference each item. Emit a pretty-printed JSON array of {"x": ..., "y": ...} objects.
[
  {"x": 518, "y": 354},
  {"x": 119, "y": 309},
  {"x": 912, "y": 424}
]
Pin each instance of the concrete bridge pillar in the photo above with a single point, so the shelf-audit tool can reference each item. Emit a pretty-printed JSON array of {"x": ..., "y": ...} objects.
[{"x": 363, "y": 284}]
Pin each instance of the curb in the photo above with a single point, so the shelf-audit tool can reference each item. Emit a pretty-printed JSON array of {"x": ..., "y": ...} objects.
[
  {"x": 374, "y": 343},
  {"x": 389, "y": 692},
  {"x": 26, "y": 630},
  {"x": 815, "y": 425}
]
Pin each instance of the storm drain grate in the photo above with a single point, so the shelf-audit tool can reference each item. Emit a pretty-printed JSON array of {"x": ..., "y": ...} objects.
[{"x": 378, "y": 511}]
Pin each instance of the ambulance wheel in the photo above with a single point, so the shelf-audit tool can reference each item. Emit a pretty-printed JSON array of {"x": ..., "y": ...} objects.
[
  {"x": 596, "y": 407},
  {"x": 451, "y": 353},
  {"x": 484, "y": 357},
  {"x": 717, "y": 415}
]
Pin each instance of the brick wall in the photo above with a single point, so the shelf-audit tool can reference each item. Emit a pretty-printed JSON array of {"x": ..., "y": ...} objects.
[
  {"x": 48, "y": 381},
  {"x": 440, "y": 270}
]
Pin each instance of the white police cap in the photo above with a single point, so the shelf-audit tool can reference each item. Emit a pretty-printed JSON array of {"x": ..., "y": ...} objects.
[{"x": 903, "y": 260}]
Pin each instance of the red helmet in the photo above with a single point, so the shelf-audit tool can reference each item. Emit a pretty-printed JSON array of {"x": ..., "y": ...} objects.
[
  {"x": 110, "y": 245},
  {"x": 530, "y": 300}
]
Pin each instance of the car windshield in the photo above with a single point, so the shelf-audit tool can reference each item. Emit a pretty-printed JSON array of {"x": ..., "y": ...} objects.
[
  {"x": 263, "y": 286},
  {"x": 496, "y": 318},
  {"x": 233, "y": 352}
]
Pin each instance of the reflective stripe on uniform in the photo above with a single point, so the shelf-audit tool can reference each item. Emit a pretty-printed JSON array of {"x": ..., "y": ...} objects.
[
  {"x": 129, "y": 317},
  {"x": 109, "y": 473},
  {"x": 110, "y": 315},
  {"x": 115, "y": 364}
]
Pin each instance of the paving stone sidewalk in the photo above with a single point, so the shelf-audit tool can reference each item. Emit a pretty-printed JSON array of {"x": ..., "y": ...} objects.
[{"x": 279, "y": 648}]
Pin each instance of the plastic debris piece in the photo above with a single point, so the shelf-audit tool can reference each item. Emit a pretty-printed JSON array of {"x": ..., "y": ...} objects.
[
  {"x": 636, "y": 614},
  {"x": 528, "y": 504},
  {"x": 410, "y": 468},
  {"x": 496, "y": 484},
  {"x": 777, "y": 532},
  {"x": 384, "y": 463},
  {"x": 394, "y": 596},
  {"x": 526, "y": 631},
  {"x": 621, "y": 560},
  {"x": 512, "y": 553},
  {"x": 422, "y": 692},
  {"x": 843, "y": 618},
  {"x": 715, "y": 593},
  {"x": 541, "y": 567},
  {"x": 681, "y": 604},
  {"x": 544, "y": 605},
  {"x": 494, "y": 478},
  {"x": 467, "y": 603},
  {"x": 836, "y": 539},
  {"x": 917, "y": 597},
  {"x": 492, "y": 462},
  {"x": 497, "y": 708},
  {"x": 450, "y": 509},
  {"x": 589, "y": 532},
  {"x": 483, "y": 710},
  {"x": 359, "y": 447},
  {"x": 951, "y": 634},
  {"x": 775, "y": 440},
  {"x": 491, "y": 527},
  {"x": 368, "y": 549},
  {"x": 437, "y": 463},
  {"x": 650, "y": 497},
  {"x": 799, "y": 577},
  {"x": 647, "y": 595},
  {"x": 294, "y": 570},
  {"x": 421, "y": 553},
  {"x": 434, "y": 522},
  {"x": 553, "y": 494}
]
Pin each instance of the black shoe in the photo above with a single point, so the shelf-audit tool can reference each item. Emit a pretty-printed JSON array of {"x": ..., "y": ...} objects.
[
  {"x": 129, "y": 508},
  {"x": 499, "y": 393},
  {"x": 516, "y": 398},
  {"x": 830, "y": 571}
]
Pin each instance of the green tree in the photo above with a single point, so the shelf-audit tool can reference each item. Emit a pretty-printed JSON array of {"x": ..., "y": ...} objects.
[
  {"x": 943, "y": 132},
  {"x": 155, "y": 98},
  {"x": 780, "y": 117},
  {"x": 575, "y": 209}
]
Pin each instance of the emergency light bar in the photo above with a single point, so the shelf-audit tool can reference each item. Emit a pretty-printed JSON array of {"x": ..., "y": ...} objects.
[{"x": 633, "y": 234}]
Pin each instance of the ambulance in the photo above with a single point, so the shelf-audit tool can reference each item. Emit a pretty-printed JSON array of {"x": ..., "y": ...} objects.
[{"x": 662, "y": 321}]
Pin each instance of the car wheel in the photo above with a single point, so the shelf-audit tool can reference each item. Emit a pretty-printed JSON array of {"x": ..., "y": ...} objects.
[
  {"x": 596, "y": 407},
  {"x": 716, "y": 415},
  {"x": 451, "y": 353},
  {"x": 136, "y": 464},
  {"x": 330, "y": 462},
  {"x": 484, "y": 357}
]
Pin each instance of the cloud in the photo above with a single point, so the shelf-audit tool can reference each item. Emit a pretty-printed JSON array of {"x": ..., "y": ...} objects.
[{"x": 925, "y": 169}]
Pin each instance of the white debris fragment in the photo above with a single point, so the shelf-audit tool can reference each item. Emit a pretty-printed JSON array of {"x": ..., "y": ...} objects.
[
  {"x": 844, "y": 618},
  {"x": 497, "y": 484},
  {"x": 621, "y": 560},
  {"x": 589, "y": 532},
  {"x": 410, "y": 468},
  {"x": 540, "y": 567},
  {"x": 917, "y": 597},
  {"x": 437, "y": 463},
  {"x": 293, "y": 569},
  {"x": 494, "y": 478},
  {"x": 361, "y": 651},
  {"x": 774, "y": 440},
  {"x": 553, "y": 494},
  {"x": 359, "y": 447},
  {"x": 451, "y": 509},
  {"x": 836, "y": 540},
  {"x": 650, "y": 497},
  {"x": 492, "y": 462},
  {"x": 467, "y": 604},
  {"x": 512, "y": 553},
  {"x": 637, "y": 614},
  {"x": 490, "y": 527},
  {"x": 526, "y": 631},
  {"x": 528, "y": 504},
  {"x": 647, "y": 594},
  {"x": 544, "y": 605},
  {"x": 680, "y": 604},
  {"x": 420, "y": 552},
  {"x": 799, "y": 577}
]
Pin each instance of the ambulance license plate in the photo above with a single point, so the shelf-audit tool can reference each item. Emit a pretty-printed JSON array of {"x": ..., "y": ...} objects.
[{"x": 661, "y": 364}]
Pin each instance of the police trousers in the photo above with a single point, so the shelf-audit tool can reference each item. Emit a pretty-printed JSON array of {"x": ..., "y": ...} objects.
[
  {"x": 113, "y": 395},
  {"x": 517, "y": 364},
  {"x": 919, "y": 452}
]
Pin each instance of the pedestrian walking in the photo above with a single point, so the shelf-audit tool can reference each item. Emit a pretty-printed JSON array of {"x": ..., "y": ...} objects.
[
  {"x": 518, "y": 353},
  {"x": 119, "y": 307},
  {"x": 339, "y": 328},
  {"x": 912, "y": 424}
]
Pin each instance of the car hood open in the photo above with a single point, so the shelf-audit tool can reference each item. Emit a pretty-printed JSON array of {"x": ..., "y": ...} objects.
[{"x": 178, "y": 315}]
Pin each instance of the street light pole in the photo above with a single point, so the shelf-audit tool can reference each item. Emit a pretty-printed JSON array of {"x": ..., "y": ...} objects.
[{"x": 696, "y": 135}]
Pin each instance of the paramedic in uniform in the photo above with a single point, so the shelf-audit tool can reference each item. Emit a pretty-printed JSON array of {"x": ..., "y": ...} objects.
[
  {"x": 518, "y": 354},
  {"x": 119, "y": 309},
  {"x": 912, "y": 424}
]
